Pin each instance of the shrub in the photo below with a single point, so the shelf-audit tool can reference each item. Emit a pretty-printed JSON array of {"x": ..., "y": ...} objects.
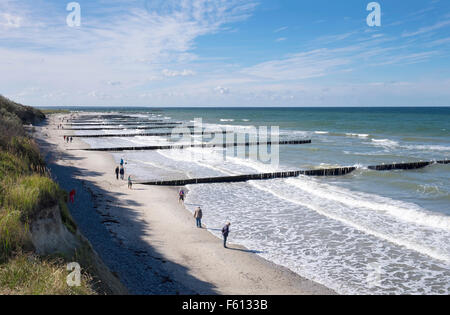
[{"x": 26, "y": 114}]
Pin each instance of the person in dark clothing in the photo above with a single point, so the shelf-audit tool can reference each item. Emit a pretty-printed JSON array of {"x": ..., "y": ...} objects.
[
  {"x": 117, "y": 173},
  {"x": 122, "y": 173},
  {"x": 198, "y": 215},
  {"x": 181, "y": 196},
  {"x": 225, "y": 232},
  {"x": 130, "y": 183}
]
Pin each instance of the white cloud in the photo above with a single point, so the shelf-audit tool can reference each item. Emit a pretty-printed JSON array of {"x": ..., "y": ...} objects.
[
  {"x": 427, "y": 29},
  {"x": 173, "y": 73},
  {"x": 130, "y": 54},
  {"x": 128, "y": 46},
  {"x": 312, "y": 64},
  {"x": 222, "y": 90},
  {"x": 280, "y": 29},
  {"x": 8, "y": 20}
]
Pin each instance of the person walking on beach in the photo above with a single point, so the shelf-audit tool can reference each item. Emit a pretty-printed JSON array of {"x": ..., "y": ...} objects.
[
  {"x": 72, "y": 196},
  {"x": 117, "y": 173},
  {"x": 225, "y": 232},
  {"x": 130, "y": 183},
  {"x": 198, "y": 215},
  {"x": 181, "y": 196},
  {"x": 122, "y": 172},
  {"x": 121, "y": 162}
]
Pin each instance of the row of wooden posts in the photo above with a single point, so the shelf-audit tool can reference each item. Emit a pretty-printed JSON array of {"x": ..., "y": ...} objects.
[{"x": 340, "y": 171}]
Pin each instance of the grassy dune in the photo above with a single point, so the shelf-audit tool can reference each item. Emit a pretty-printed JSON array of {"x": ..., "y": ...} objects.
[{"x": 25, "y": 190}]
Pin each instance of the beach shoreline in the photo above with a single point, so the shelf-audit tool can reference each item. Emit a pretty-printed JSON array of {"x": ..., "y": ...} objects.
[{"x": 150, "y": 240}]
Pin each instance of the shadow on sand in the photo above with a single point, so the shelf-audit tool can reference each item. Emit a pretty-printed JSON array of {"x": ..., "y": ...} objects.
[
  {"x": 245, "y": 250},
  {"x": 108, "y": 221}
]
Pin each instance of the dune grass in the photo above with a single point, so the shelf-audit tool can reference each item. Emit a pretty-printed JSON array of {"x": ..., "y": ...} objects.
[
  {"x": 13, "y": 234},
  {"x": 26, "y": 189},
  {"x": 31, "y": 194},
  {"x": 27, "y": 274}
]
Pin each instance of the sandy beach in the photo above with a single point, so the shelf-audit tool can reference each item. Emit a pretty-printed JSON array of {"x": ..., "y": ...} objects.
[{"x": 148, "y": 239}]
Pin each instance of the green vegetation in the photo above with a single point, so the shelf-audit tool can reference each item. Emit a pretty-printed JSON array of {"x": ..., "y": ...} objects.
[
  {"x": 25, "y": 190},
  {"x": 29, "y": 274},
  {"x": 26, "y": 114},
  {"x": 55, "y": 111}
]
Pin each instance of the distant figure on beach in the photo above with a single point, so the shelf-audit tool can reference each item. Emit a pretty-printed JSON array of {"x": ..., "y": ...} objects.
[
  {"x": 121, "y": 162},
  {"x": 198, "y": 214},
  {"x": 225, "y": 232},
  {"x": 72, "y": 196},
  {"x": 181, "y": 196},
  {"x": 71, "y": 139},
  {"x": 117, "y": 173},
  {"x": 64, "y": 138},
  {"x": 130, "y": 183},
  {"x": 122, "y": 172}
]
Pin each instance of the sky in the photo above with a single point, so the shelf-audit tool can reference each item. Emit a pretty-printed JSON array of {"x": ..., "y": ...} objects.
[{"x": 243, "y": 53}]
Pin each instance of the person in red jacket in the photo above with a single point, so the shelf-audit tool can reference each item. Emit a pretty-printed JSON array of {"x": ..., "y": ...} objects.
[{"x": 72, "y": 195}]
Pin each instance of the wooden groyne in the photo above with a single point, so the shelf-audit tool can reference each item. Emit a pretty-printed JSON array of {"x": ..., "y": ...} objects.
[
  {"x": 115, "y": 123},
  {"x": 265, "y": 176},
  {"x": 124, "y": 128},
  {"x": 203, "y": 145},
  {"x": 341, "y": 171},
  {"x": 406, "y": 166},
  {"x": 126, "y": 123},
  {"x": 103, "y": 116},
  {"x": 75, "y": 121},
  {"x": 149, "y": 134}
]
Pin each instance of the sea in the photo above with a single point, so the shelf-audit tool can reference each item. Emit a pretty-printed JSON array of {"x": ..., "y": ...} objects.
[{"x": 368, "y": 232}]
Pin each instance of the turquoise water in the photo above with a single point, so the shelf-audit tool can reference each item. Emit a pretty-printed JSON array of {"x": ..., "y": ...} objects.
[{"x": 339, "y": 231}]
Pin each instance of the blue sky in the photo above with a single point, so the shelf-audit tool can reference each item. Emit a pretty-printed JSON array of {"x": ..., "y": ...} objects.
[{"x": 225, "y": 53}]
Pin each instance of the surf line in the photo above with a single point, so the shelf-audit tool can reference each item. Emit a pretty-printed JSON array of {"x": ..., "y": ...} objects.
[{"x": 203, "y": 145}]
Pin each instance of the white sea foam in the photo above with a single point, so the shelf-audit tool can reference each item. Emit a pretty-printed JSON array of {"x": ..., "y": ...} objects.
[
  {"x": 359, "y": 135},
  {"x": 385, "y": 143},
  {"x": 427, "y": 147},
  {"x": 391, "y": 144},
  {"x": 407, "y": 212}
]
